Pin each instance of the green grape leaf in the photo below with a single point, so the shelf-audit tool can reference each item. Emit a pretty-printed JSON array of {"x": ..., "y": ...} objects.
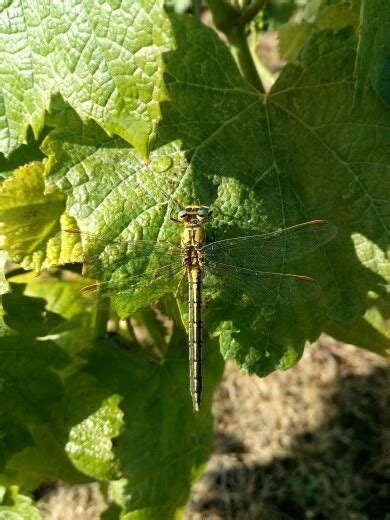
[
  {"x": 373, "y": 57},
  {"x": 317, "y": 16},
  {"x": 89, "y": 445},
  {"x": 117, "y": 492},
  {"x": 371, "y": 331},
  {"x": 30, "y": 388},
  {"x": 305, "y": 156},
  {"x": 29, "y": 216},
  {"x": 44, "y": 459},
  {"x": 60, "y": 295},
  {"x": 62, "y": 302},
  {"x": 136, "y": 196},
  {"x": 162, "y": 443},
  {"x": 280, "y": 11},
  {"x": 104, "y": 58},
  {"x": 328, "y": 9},
  {"x": 14, "y": 506},
  {"x": 29, "y": 384},
  {"x": 292, "y": 37},
  {"x": 13, "y": 438},
  {"x": 113, "y": 512},
  {"x": 18, "y": 308},
  {"x": 335, "y": 16}
]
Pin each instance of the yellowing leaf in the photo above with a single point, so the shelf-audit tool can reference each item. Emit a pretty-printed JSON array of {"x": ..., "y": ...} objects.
[{"x": 30, "y": 220}]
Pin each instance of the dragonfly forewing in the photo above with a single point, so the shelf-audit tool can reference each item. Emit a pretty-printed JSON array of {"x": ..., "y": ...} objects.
[
  {"x": 130, "y": 274},
  {"x": 269, "y": 251},
  {"x": 103, "y": 254},
  {"x": 262, "y": 288},
  {"x": 134, "y": 292}
]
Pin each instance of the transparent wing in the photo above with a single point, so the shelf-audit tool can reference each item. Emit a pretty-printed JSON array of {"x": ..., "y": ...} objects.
[
  {"x": 134, "y": 274},
  {"x": 129, "y": 258},
  {"x": 133, "y": 292},
  {"x": 262, "y": 288},
  {"x": 266, "y": 252}
]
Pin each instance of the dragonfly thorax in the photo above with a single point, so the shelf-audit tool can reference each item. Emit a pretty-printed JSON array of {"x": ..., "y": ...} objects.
[
  {"x": 193, "y": 237},
  {"x": 193, "y": 218}
]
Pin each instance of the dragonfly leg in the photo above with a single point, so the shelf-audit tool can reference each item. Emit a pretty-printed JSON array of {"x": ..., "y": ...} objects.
[
  {"x": 201, "y": 259},
  {"x": 173, "y": 219},
  {"x": 179, "y": 284}
]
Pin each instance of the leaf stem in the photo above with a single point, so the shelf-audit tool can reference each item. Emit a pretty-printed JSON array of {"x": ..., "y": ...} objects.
[
  {"x": 252, "y": 10},
  {"x": 227, "y": 19},
  {"x": 101, "y": 319},
  {"x": 196, "y": 9}
]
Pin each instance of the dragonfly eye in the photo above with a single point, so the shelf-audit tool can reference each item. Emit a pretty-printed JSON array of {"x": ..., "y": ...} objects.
[
  {"x": 182, "y": 214},
  {"x": 201, "y": 213}
]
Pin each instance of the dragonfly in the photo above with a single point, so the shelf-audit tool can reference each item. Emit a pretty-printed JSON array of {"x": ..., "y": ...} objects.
[{"x": 248, "y": 265}]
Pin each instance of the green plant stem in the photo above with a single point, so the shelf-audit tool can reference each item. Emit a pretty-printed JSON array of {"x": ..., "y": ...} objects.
[
  {"x": 250, "y": 12},
  {"x": 196, "y": 10},
  {"x": 228, "y": 20},
  {"x": 244, "y": 58},
  {"x": 101, "y": 319}
]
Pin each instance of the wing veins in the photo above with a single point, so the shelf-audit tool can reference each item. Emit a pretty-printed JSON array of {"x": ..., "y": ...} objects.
[
  {"x": 135, "y": 281},
  {"x": 264, "y": 288},
  {"x": 267, "y": 250}
]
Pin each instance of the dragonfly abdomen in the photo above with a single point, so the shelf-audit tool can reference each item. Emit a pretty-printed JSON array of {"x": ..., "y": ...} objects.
[{"x": 195, "y": 334}]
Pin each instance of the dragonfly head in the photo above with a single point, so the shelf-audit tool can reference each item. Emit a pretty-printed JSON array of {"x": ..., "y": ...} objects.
[{"x": 194, "y": 214}]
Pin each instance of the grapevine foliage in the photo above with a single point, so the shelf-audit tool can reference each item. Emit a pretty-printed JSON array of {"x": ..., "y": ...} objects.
[{"x": 109, "y": 113}]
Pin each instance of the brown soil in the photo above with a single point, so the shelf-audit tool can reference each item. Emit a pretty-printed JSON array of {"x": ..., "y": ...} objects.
[{"x": 308, "y": 443}]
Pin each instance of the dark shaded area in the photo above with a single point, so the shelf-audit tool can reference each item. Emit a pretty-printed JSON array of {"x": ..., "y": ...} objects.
[
  {"x": 339, "y": 470},
  {"x": 25, "y": 153},
  {"x": 47, "y": 487},
  {"x": 13, "y": 438},
  {"x": 225, "y": 443},
  {"x": 27, "y": 315}
]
